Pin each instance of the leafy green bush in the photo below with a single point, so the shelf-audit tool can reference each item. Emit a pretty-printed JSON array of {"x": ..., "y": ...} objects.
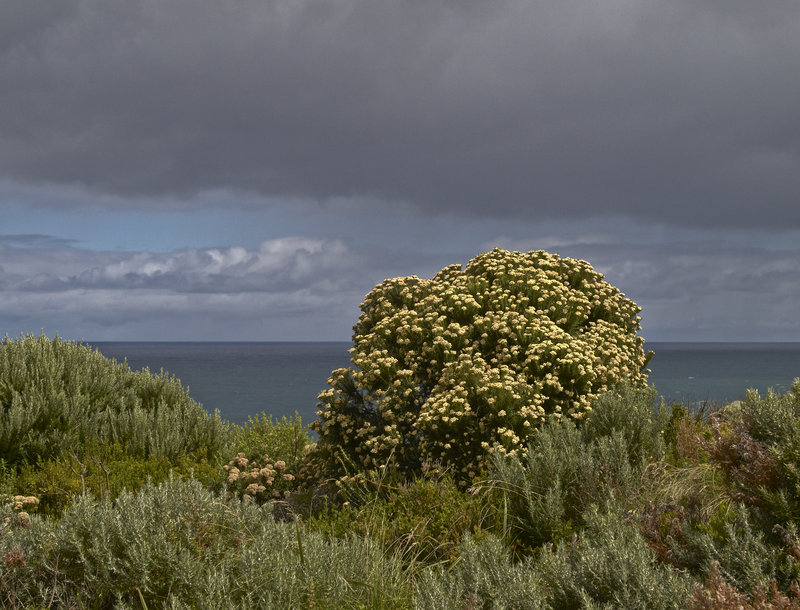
[
  {"x": 105, "y": 470},
  {"x": 608, "y": 565},
  {"x": 746, "y": 557},
  {"x": 757, "y": 445},
  {"x": 270, "y": 455},
  {"x": 423, "y": 519},
  {"x": 447, "y": 370},
  {"x": 57, "y": 395},
  {"x": 285, "y": 439},
  {"x": 259, "y": 479},
  {"x": 718, "y": 594}
]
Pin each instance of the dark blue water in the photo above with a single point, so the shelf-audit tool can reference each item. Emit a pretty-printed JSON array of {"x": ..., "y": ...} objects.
[
  {"x": 244, "y": 379},
  {"x": 721, "y": 372}
]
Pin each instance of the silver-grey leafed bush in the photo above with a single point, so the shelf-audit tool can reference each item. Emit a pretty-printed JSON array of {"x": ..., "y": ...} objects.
[
  {"x": 56, "y": 395},
  {"x": 484, "y": 576},
  {"x": 631, "y": 411},
  {"x": 568, "y": 468},
  {"x": 609, "y": 565},
  {"x": 744, "y": 555},
  {"x": 180, "y": 545}
]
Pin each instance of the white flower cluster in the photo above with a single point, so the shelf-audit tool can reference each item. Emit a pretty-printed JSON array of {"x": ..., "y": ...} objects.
[{"x": 450, "y": 369}]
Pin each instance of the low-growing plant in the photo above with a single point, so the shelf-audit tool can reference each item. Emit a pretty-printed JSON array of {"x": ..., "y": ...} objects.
[
  {"x": 260, "y": 480},
  {"x": 483, "y": 576},
  {"x": 635, "y": 413},
  {"x": 474, "y": 360},
  {"x": 686, "y": 436},
  {"x": 760, "y": 452},
  {"x": 749, "y": 467},
  {"x": 718, "y": 594},
  {"x": 747, "y": 557},
  {"x": 285, "y": 439},
  {"x": 270, "y": 458}
]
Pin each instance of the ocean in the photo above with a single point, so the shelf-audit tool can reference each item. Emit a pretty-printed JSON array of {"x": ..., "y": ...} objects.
[{"x": 245, "y": 379}]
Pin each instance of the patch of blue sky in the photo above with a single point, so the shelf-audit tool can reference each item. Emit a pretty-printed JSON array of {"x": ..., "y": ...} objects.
[{"x": 224, "y": 224}]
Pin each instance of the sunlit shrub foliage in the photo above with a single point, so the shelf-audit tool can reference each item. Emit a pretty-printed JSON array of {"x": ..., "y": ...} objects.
[
  {"x": 423, "y": 519},
  {"x": 105, "y": 470},
  {"x": 757, "y": 446},
  {"x": 485, "y": 576},
  {"x": 284, "y": 439},
  {"x": 470, "y": 362},
  {"x": 269, "y": 456},
  {"x": 56, "y": 395}
]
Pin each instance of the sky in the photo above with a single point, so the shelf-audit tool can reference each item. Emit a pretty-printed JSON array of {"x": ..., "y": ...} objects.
[{"x": 250, "y": 169}]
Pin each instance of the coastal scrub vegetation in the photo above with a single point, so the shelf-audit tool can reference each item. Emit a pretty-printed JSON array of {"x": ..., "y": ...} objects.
[{"x": 624, "y": 502}]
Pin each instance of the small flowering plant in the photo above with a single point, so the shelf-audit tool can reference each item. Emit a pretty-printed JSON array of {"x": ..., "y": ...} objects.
[
  {"x": 260, "y": 480},
  {"x": 22, "y": 506},
  {"x": 20, "y": 503},
  {"x": 451, "y": 369}
]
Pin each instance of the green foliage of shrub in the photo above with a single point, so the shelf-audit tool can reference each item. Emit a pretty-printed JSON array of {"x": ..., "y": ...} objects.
[
  {"x": 746, "y": 557},
  {"x": 56, "y": 395},
  {"x": 285, "y": 439},
  {"x": 608, "y": 565},
  {"x": 718, "y": 594},
  {"x": 105, "y": 470},
  {"x": 725, "y": 506},
  {"x": 632, "y": 412},
  {"x": 259, "y": 479},
  {"x": 568, "y": 468},
  {"x": 423, "y": 519},
  {"x": 757, "y": 445},
  {"x": 270, "y": 456},
  {"x": 445, "y": 370},
  {"x": 179, "y": 545}
]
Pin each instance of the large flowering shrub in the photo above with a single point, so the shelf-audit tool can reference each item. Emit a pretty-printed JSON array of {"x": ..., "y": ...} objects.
[{"x": 471, "y": 362}]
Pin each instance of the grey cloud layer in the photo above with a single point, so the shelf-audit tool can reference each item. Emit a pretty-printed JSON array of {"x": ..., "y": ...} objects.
[
  {"x": 683, "y": 111},
  {"x": 279, "y": 265},
  {"x": 286, "y": 289},
  {"x": 304, "y": 288},
  {"x": 219, "y": 293},
  {"x": 703, "y": 290}
]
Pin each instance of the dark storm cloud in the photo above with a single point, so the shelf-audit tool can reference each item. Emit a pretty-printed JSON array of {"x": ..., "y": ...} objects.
[{"x": 683, "y": 111}]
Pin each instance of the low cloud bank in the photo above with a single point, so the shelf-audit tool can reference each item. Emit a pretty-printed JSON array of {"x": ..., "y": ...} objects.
[{"x": 302, "y": 288}]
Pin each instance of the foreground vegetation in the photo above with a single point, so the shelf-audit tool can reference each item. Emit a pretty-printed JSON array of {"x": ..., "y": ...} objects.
[
  {"x": 635, "y": 507},
  {"x": 496, "y": 447}
]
